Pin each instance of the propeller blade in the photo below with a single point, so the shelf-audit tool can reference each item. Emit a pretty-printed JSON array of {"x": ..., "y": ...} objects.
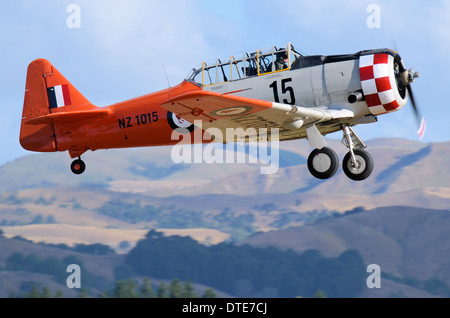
[
  {"x": 420, "y": 119},
  {"x": 422, "y": 127}
]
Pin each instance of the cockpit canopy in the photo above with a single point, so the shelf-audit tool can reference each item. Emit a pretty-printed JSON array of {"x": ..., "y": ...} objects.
[{"x": 238, "y": 67}]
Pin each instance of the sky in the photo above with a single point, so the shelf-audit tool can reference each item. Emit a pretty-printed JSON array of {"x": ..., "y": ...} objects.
[{"x": 115, "y": 50}]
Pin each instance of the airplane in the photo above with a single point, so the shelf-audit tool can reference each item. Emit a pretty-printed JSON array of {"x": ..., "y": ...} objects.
[{"x": 303, "y": 96}]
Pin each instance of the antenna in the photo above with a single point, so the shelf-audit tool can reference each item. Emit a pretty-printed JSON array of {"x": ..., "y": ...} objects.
[{"x": 167, "y": 78}]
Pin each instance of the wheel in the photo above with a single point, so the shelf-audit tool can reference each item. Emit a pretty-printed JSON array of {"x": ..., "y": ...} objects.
[
  {"x": 323, "y": 163},
  {"x": 365, "y": 165},
  {"x": 78, "y": 166}
]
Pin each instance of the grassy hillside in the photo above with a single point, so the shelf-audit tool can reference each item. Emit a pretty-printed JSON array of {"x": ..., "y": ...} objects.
[
  {"x": 125, "y": 193},
  {"x": 26, "y": 266},
  {"x": 401, "y": 166},
  {"x": 404, "y": 241},
  {"x": 98, "y": 270},
  {"x": 39, "y": 195}
]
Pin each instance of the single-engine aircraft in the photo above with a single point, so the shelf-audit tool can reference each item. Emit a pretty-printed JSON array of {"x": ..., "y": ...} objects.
[{"x": 302, "y": 96}]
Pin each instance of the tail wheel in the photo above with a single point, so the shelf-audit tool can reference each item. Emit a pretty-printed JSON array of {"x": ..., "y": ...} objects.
[
  {"x": 323, "y": 163},
  {"x": 363, "y": 168},
  {"x": 78, "y": 166}
]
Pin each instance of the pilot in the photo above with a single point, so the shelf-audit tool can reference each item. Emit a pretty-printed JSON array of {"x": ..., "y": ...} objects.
[{"x": 281, "y": 61}]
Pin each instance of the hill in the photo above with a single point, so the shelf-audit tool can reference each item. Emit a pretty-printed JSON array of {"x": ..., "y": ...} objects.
[
  {"x": 125, "y": 193},
  {"x": 52, "y": 272},
  {"x": 232, "y": 200},
  {"x": 402, "y": 167},
  {"x": 25, "y": 266},
  {"x": 407, "y": 243}
]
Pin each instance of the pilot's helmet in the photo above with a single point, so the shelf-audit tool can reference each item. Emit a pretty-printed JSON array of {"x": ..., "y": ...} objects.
[{"x": 281, "y": 55}]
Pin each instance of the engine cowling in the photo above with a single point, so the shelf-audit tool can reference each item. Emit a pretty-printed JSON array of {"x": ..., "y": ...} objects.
[{"x": 382, "y": 89}]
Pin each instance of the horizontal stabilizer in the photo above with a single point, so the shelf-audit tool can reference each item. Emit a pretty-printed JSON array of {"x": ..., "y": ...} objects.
[{"x": 68, "y": 117}]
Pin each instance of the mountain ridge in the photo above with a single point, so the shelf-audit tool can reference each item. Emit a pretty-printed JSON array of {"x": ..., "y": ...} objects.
[{"x": 127, "y": 192}]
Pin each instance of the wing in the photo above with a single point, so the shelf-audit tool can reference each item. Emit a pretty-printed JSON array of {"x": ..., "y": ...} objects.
[{"x": 222, "y": 111}]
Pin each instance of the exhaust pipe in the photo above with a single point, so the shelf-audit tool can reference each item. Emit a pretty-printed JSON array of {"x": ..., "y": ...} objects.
[{"x": 355, "y": 97}]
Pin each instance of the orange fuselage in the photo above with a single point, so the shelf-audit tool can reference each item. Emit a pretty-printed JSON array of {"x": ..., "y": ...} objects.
[{"x": 138, "y": 122}]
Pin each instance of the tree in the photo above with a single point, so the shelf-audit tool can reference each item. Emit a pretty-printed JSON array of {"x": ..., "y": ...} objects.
[
  {"x": 105, "y": 294},
  {"x": 34, "y": 293},
  {"x": 209, "y": 293},
  {"x": 38, "y": 219},
  {"x": 51, "y": 219},
  {"x": 319, "y": 294},
  {"x": 188, "y": 290},
  {"x": 147, "y": 289},
  {"x": 124, "y": 245},
  {"x": 175, "y": 289},
  {"x": 59, "y": 294},
  {"x": 46, "y": 292},
  {"x": 84, "y": 293},
  {"x": 125, "y": 289},
  {"x": 247, "y": 271},
  {"x": 162, "y": 290},
  {"x": 95, "y": 249}
]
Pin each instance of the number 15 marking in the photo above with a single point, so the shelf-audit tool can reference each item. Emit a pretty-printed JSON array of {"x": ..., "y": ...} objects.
[{"x": 284, "y": 89}]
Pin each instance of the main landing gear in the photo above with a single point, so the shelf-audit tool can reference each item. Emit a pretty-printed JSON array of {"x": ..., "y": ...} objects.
[
  {"x": 78, "y": 166},
  {"x": 357, "y": 164}
]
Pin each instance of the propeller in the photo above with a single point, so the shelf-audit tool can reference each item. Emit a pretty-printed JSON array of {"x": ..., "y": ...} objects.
[
  {"x": 419, "y": 118},
  {"x": 407, "y": 77}
]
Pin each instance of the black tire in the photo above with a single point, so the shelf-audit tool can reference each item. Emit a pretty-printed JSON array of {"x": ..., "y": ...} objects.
[
  {"x": 78, "y": 166},
  {"x": 323, "y": 163},
  {"x": 366, "y": 165}
]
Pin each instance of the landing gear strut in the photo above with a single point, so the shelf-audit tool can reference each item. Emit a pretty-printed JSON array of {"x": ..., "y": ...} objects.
[
  {"x": 78, "y": 166},
  {"x": 357, "y": 163}
]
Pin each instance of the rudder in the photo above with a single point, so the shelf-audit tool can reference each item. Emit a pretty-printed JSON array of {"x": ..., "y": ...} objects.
[{"x": 47, "y": 91}]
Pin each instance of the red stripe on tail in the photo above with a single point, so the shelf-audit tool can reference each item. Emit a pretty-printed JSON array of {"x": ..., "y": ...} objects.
[{"x": 66, "y": 95}]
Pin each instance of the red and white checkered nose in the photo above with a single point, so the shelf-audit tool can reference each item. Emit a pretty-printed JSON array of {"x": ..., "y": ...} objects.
[{"x": 379, "y": 84}]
